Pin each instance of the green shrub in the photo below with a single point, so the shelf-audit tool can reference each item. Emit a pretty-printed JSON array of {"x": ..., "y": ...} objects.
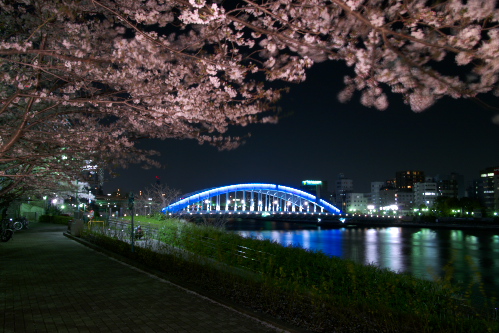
[
  {"x": 308, "y": 289},
  {"x": 62, "y": 219},
  {"x": 55, "y": 219},
  {"x": 45, "y": 219}
]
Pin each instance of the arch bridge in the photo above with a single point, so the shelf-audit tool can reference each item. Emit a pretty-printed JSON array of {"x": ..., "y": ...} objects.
[{"x": 253, "y": 198}]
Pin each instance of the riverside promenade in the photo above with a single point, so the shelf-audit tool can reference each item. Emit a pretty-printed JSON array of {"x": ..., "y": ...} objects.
[{"x": 52, "y": 283}]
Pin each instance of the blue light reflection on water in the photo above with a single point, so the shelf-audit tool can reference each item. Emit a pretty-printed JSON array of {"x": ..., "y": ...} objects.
[
  {"x": 422, "y": 252},
  {"x": 327, "y": 241}
]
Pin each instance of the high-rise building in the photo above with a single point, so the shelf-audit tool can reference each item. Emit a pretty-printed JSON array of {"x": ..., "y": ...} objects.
[
  {"x": 342, "y": 187},
  {"x": 95, "y": 179},
  {"x": 316, "y": 187},
  {"x": 451, "y": 186},
  {"x": 405, "y": 201},
  {"x": 387, "y": 195},
  {"x": 425, "y": 193},
  {"x": 406, "y": 179},
  {"x": 488, "y": 188},
  {"x": 375, "y": 197}
]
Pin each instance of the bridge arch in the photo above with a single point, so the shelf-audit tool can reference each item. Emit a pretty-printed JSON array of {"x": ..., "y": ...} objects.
[{"x": 252, "y": 197}]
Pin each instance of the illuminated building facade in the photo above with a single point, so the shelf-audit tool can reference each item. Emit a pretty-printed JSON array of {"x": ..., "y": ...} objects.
[
  {"x": 405, "y": 180},
  {"x": 450, "y": 186},
  {"x": 375, "y": 197},
  {"x": 387, "y": 196},
  {"x": 405, "y": 201},
  {"x": 356, "y": 202},
  {"x": 315, "y": 187},
  {"x": 488, "y": 188},
  {"x": 342, "y": 187},
  {"x": 425, "y": 193}
]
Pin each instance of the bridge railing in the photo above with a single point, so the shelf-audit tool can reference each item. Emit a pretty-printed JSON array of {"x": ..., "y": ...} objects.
[
  {"x": 229, "y": 253},
  {"x": 121, "y": 229}
]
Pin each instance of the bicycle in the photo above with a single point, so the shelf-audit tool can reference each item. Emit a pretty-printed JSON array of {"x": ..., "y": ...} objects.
[
  {"x": 20, "y": 223},
  {"x": 6, "y": 230}
]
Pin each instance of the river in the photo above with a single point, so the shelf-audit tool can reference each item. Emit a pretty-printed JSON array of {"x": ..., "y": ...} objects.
[{"x": 470, "y": 255}]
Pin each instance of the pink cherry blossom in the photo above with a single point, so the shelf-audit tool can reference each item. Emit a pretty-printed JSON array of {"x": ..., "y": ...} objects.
[{"x": 88, "y": 79}]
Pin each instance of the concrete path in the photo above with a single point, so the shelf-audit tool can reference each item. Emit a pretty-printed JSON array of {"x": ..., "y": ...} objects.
[{"x": 51, "y": 283}]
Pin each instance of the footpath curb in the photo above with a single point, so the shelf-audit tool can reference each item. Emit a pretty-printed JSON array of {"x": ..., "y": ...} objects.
[{"x": 283, "y": 326}]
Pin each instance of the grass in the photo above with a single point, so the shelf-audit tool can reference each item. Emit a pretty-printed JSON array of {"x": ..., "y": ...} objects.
[{"x": 308, "y": 289}]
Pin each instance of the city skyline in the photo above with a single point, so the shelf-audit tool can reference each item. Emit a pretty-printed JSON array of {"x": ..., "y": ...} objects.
[{"x": 318, "y": 137}]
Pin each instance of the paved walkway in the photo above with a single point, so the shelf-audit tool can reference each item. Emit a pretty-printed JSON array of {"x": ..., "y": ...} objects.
[{"x": 51, "y": 283}]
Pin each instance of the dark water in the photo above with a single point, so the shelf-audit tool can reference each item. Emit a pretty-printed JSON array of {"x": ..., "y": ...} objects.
[{"x": 473, "y": 256}]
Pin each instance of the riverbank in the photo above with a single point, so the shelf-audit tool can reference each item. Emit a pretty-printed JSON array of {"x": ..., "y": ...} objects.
[{"x": 308, "y": 289}]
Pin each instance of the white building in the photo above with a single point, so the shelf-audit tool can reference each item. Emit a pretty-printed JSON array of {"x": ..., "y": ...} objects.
[
  {"x": 375, "y": 197},
  {"x": 405, "y": 201},
  {"x": 387, "y": 197},
  {"x": 425, "y": 193},
  {"x": 356, "y": 203}
]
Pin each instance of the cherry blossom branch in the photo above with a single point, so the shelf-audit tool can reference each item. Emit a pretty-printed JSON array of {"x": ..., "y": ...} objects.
[
  {"x": 53, "y": 54},
  {"x": 134, "y": 27}
]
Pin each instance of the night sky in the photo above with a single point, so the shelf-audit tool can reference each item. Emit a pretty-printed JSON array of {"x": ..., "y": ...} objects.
[{"x": 318, "y": 137}]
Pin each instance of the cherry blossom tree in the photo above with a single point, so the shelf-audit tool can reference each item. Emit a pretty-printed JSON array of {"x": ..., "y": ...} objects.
[
  {"x": 422, "y": 49},
  {"x": 86, "y": 79},
  {"x": 85, "y": 96}
]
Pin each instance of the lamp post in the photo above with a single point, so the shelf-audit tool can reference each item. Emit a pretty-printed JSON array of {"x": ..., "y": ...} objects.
[
  {"x": 77, "y": 204},
  {"x": 131, "y": 205}
]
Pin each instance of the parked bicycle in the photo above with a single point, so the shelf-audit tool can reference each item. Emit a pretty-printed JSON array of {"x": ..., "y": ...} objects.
[
  {"x": 21, "y": 223},
  {"x": 139, "y": 233},
  {"x": 6, "y": 230}
]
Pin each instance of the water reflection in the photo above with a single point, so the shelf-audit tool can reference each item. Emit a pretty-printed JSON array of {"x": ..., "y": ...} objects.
[
  {"x": 422, "y": 252},
  {"x": 424, "y": 258}
]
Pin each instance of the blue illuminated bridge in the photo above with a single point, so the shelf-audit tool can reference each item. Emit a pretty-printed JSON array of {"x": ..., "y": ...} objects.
[{"x": 252, "y": 199}]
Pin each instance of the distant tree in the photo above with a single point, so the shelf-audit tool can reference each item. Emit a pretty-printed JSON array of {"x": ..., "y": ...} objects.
[
  {"x": 161, "y": 195},
  {"x": 444, "y": 206},
  {"x": 448, "y": 206},
  {"x": 88, "y": 78},
  {"x": 472, "y": 205}
]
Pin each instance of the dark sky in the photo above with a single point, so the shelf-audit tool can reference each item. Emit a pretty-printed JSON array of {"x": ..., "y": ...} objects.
[{"x": 318, "y": 138}]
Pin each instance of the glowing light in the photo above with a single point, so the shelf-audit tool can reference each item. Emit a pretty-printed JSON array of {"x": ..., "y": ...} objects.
[
  {"x": 204, "y": 194},
  {"x": 312, "y": 182}
]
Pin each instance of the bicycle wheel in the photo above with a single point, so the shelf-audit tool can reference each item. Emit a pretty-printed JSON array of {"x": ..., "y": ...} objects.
[
  {"x": 6, "y": 235},
  {"x": 18, "y": 225}
]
